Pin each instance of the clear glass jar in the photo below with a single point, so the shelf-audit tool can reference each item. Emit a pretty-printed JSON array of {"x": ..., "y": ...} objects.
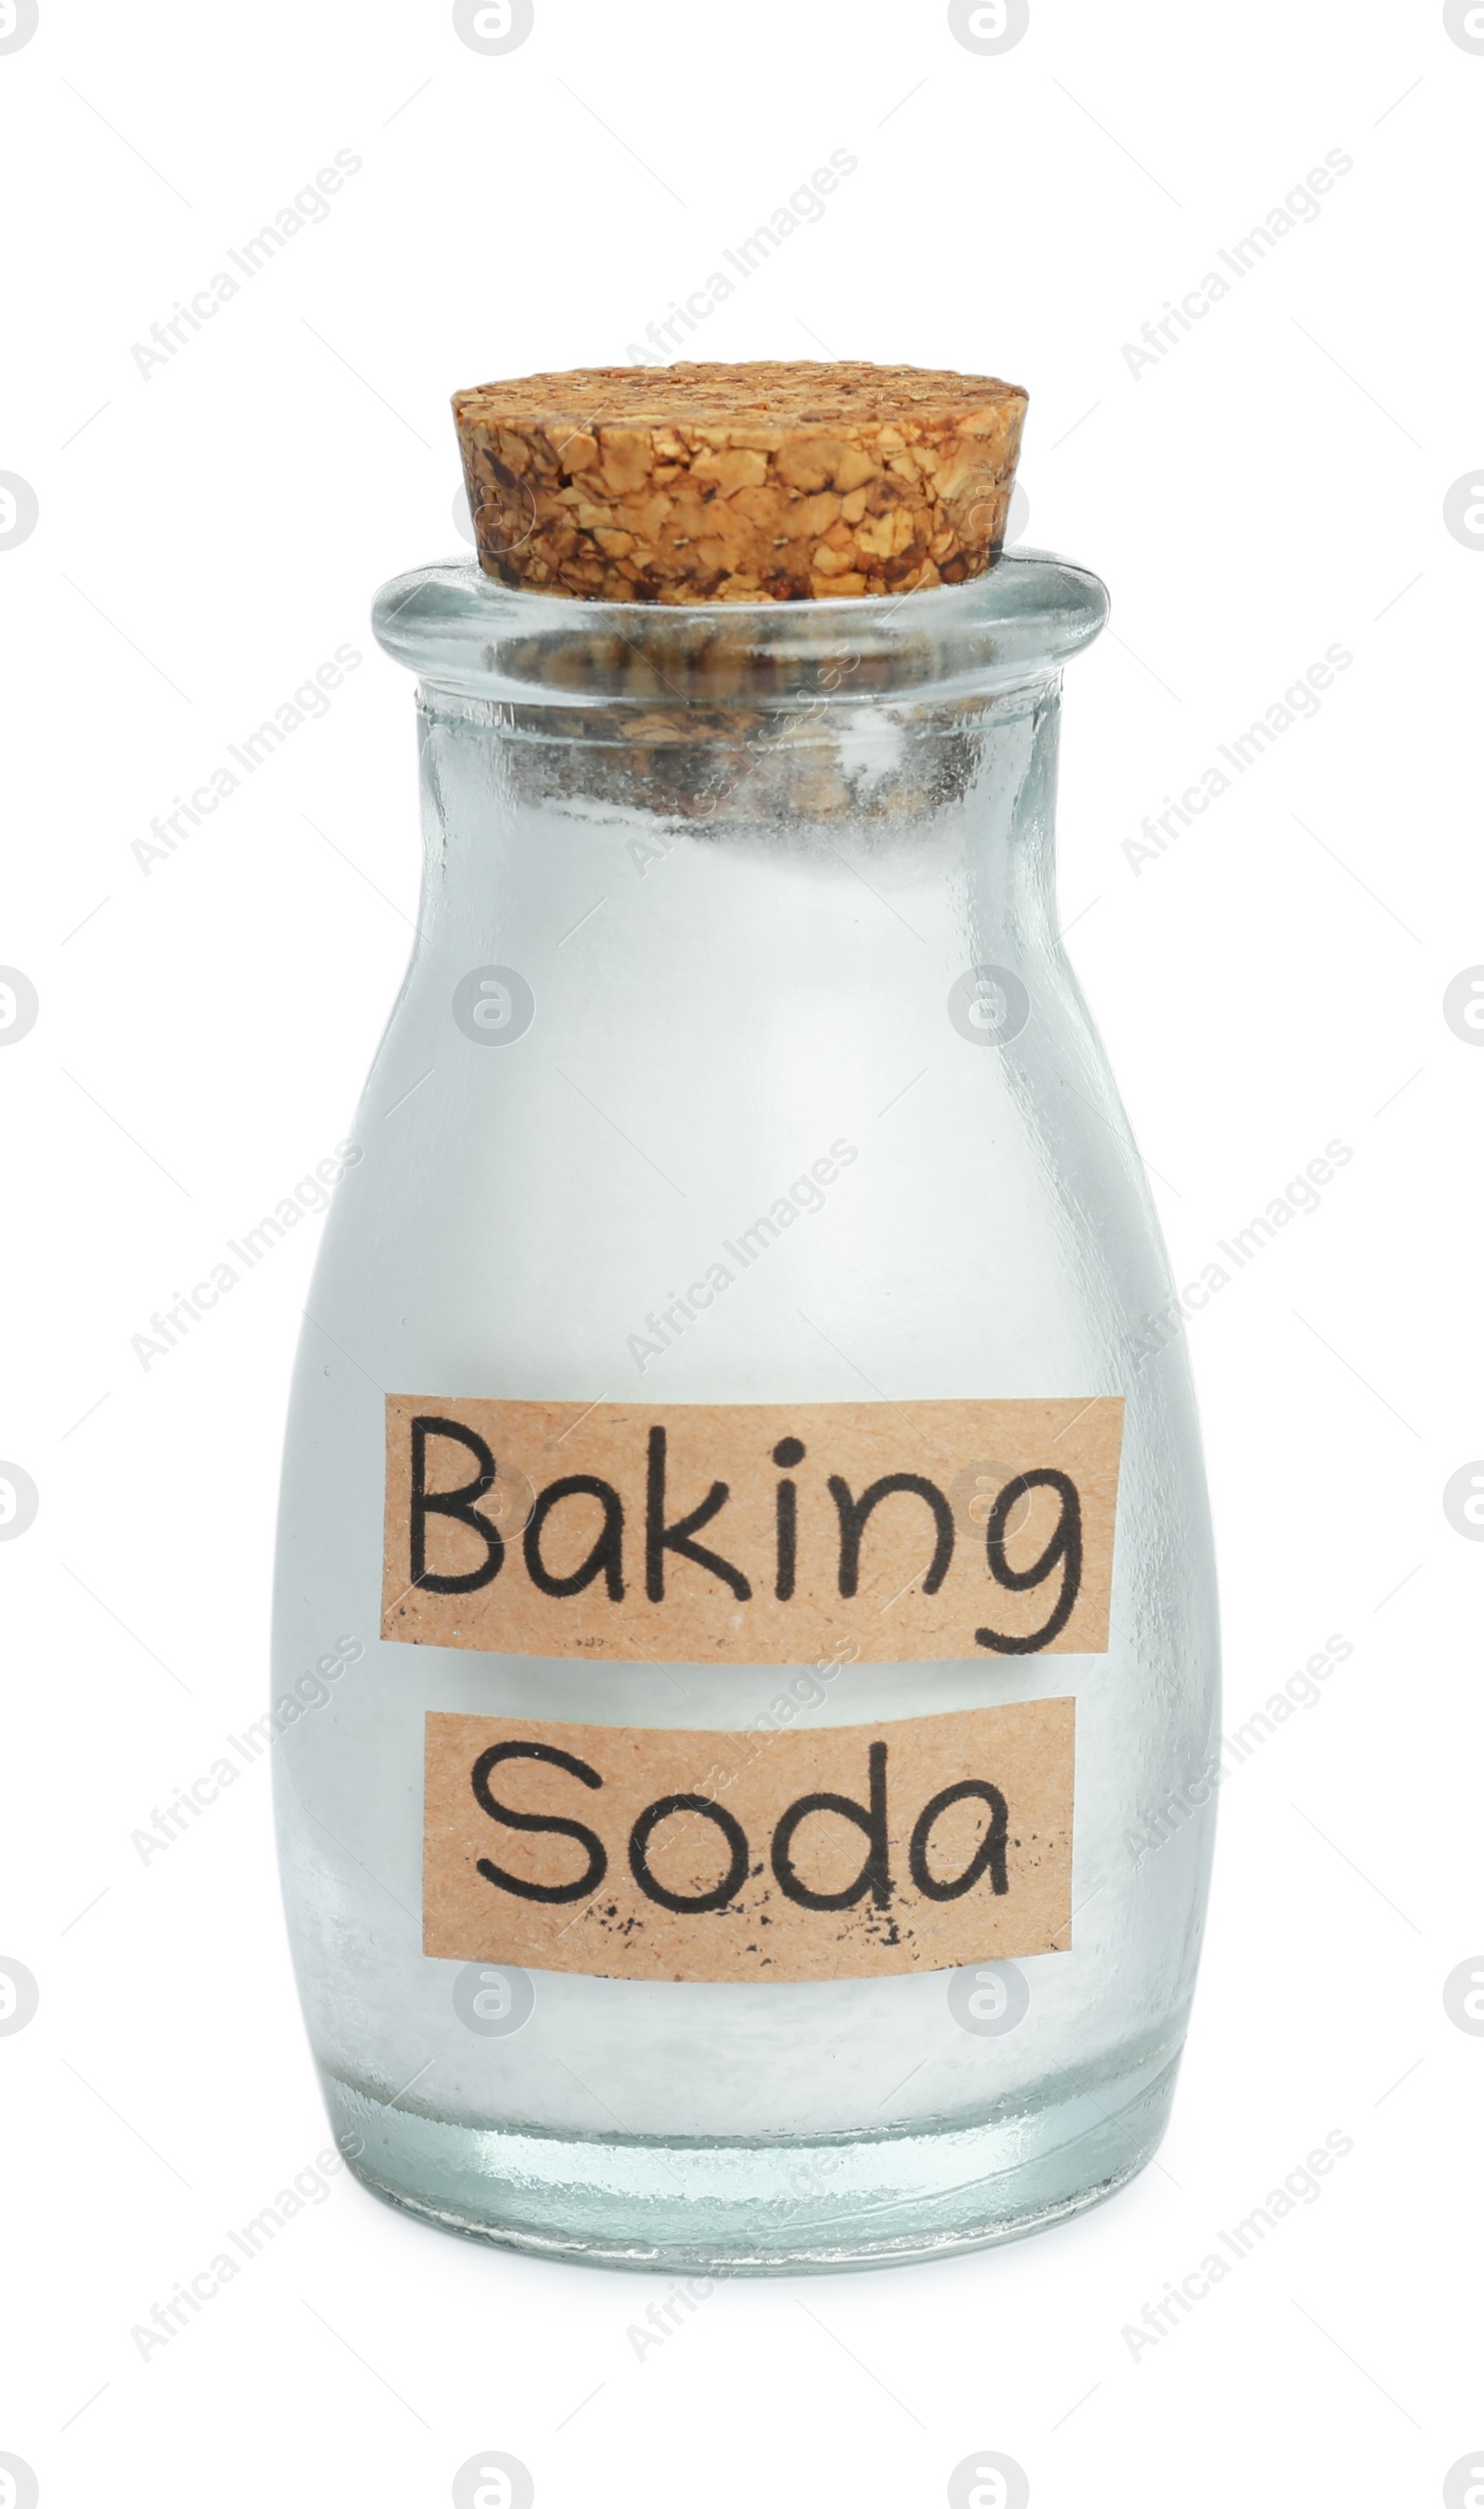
[{"x": 727, "y": 886}]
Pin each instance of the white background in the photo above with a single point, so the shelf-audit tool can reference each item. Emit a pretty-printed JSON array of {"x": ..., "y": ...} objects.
[{"x": 209, "y": 534}]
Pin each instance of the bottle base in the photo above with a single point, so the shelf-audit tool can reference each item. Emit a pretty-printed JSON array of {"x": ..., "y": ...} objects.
[{"x": 829, "y": 2204}]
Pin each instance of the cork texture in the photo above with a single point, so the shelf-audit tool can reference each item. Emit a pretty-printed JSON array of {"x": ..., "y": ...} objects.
[{"x": 771, "y": 482}]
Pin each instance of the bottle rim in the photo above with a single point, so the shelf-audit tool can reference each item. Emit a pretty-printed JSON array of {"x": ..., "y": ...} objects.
[{"x": 460, "y": 631}]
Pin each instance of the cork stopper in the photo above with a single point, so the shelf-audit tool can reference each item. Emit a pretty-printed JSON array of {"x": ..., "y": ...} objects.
[{"x": 778, "y": 482}]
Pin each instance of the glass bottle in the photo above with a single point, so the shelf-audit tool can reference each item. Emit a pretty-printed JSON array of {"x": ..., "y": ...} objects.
[{"x": 734, "y": 916}]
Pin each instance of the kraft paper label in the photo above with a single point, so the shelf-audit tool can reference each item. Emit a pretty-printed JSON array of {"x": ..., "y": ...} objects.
[
  {"x": 751, "y": 1533},
  {"x": 857, "y": 1851}
]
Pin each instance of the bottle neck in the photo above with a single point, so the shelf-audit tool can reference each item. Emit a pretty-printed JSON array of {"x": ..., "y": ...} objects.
[
  {"x": 795, "y": 797},
  {"x": 790, "y": 879}
]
